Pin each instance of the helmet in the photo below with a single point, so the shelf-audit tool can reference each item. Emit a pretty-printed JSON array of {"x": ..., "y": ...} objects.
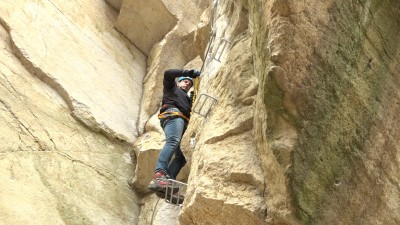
[{"x": 185, "y": 78}]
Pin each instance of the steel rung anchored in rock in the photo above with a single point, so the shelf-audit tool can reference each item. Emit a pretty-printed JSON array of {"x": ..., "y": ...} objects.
[
  {"x": 175, "y": 194},
  {"x": 204, "y": 104}
]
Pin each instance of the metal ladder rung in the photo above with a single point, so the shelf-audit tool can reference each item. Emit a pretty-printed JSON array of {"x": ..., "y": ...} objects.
[
  {"x": 225, "y": 43},
  {"x": 169, "y": 194},
  {"x": 204, "y": 100}
]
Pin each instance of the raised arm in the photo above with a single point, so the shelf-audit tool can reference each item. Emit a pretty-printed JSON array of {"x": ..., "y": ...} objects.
[{"x": 170, "y": 75}]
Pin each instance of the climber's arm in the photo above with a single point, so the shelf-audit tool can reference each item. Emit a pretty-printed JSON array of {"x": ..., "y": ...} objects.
[{"x": 170, "y": 75}]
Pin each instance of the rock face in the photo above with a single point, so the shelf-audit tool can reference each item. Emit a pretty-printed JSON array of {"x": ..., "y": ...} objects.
[
  {"x": 115, "y": 3},
  {"x": 53, "y": 169},
  {"x": 326, "y": 99},
  {"x": 102, "y": 86},
  {"x": 303, "y": 130},
  {"x": 145, "y": 22},
  {"x": 345, "y": 131}
]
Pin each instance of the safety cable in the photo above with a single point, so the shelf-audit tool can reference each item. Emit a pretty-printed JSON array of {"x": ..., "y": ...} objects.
[{"x": 154, "y": 210}]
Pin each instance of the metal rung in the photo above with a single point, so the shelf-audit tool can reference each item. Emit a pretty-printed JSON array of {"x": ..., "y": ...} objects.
[
  {"x": 175, "y": 197},
  {"x": 204, "y": 100},
  {"x": 225, "y": 43}
]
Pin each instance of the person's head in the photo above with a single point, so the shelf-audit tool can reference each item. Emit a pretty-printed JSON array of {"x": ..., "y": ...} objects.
[{"x": 185, "y": 83}]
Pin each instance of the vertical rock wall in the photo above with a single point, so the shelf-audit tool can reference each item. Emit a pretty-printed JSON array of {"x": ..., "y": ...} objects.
[
  {"x": 226, "y": 183},
  {"x": 350, "y": 96},
  {"x": 303, "y": 130},
  {"x": 64, "y": 73},
  {"x": 322, "y": 120},
  {"x": 74, "y": 48},
  {"x": 328, "y": 86}
]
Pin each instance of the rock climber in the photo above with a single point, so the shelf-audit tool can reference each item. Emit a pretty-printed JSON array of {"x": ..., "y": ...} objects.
[{"x": 174, "y": 117}]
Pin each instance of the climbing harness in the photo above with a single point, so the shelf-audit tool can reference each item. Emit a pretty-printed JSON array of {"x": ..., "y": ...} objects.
[{"x": 165, "y": 115}]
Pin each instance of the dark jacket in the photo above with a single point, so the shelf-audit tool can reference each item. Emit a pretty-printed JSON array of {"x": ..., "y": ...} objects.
[{"x": 173, "y": 96}]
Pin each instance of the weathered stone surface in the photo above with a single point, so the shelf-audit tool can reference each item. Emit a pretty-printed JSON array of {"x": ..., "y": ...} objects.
[
  {"x": 225, "y": 179},
  {"x": 73, "y": 47},
  {"x": 328, "y": 75},
  {"x": 53, "y": 170},
  {"x": 157, "y": 212},
  {"x": 147, "y": 149},
  {"x": 115, "y": 3},
  {"x": 316, "y": 86},
  {"x": 304, "y": 130},
  {"x": 145, "y": 22},
  {"x": 349, "y": 99}
]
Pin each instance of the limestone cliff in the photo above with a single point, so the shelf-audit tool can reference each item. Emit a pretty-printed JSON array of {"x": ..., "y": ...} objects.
[
  {"x": 303, "y": 130},
  {"x": 70, "y": 89}
]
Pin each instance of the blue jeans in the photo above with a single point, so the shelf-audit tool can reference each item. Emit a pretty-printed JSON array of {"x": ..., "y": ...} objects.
[{"x": 173, "y": 129}]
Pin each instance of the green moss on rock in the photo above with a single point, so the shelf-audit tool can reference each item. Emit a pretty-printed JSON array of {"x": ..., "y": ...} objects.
[{"x": 351, "y": 76}]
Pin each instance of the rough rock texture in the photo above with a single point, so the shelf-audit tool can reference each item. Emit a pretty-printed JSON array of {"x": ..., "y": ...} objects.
[
  {"x": 328, "y": 76},
  {"x": 147, "y": 149},
  {"x": 156, "y": 211},
  {"x": 115, "y": 3},
  {"x": 226, "y": 181},
  {"x": 101, "y": 86},
  {"x": 53, "y": 169},
  {"x": 350, "y": 101},
  {"x": 145, "y": 22},
  {"x": 321, "y": 118},
  {"x": 303, "y": 131}
]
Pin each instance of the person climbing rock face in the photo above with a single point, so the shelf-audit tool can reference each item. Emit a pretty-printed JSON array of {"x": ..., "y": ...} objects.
[{"x": 174, "y": 117}]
